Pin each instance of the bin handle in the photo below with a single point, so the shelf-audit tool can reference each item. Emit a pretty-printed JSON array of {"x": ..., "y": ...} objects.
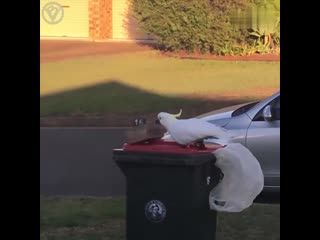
[{"x": 213, "y": 175}]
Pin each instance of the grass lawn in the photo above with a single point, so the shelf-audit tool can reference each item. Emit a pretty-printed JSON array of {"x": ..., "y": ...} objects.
[
  {"x": 104, "y": 219},
  {"x": 145, "y": 82}
]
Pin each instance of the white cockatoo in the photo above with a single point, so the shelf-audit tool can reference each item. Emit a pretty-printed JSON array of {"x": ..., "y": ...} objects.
[{"x": 186, "y": 131}]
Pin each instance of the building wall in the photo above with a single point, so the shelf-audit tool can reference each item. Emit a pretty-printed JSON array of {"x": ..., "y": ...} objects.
[
  {"x": 92, "y": 19},
  {"x": 124, "y": 26},
  {"x": 64, "y": 18}
]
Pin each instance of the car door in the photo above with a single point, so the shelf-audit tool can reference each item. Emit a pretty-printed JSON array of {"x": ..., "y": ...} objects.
[{"x": 263, "y": 140}]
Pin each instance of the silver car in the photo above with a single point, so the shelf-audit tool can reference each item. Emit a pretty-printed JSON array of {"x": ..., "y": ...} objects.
[{"x": 256, "y": 125}]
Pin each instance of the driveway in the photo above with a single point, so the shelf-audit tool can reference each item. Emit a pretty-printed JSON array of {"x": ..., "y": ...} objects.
[{"x": 55, "y": 50}]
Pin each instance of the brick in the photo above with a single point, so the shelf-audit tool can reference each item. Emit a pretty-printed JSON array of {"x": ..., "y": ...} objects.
[{"x": 100, "y": 19}]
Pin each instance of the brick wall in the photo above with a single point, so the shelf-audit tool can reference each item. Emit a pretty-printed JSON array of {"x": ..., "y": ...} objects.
[{"x": 100, "y": 19}]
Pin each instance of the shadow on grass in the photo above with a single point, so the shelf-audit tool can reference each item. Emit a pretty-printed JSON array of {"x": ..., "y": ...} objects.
[
  {"x": 116, "y": 104},
  {"x": 101, "y": 218}
]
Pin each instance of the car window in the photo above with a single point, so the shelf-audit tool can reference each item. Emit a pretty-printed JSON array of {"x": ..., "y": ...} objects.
[
  {"x": 243, "y": 109},
  {"x": 275, "y": 110}
]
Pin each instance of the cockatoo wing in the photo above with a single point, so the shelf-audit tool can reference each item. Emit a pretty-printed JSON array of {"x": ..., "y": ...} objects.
[{"x": 190, "y": 130}]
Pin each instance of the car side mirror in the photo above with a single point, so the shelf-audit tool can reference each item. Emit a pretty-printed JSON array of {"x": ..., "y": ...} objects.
[{"x": 267, "y": 115}]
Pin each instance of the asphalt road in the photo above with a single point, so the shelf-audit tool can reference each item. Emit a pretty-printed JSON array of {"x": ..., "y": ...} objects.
[{"x": 78, "y": 162}]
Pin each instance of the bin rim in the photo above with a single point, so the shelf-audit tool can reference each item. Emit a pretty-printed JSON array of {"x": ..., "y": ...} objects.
[{"x": 162, "y": 158}]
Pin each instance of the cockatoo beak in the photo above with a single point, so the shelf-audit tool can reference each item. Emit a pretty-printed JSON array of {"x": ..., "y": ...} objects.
[
  {"x": 177, "y": 115},
  {"x": 157, "y": 121}
]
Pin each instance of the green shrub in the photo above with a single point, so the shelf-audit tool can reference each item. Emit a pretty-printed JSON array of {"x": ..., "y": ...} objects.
[
  {"x": 226, "y": 6},
  {"x": 260, "y": 23},
  {"x": 191, "y": 25}
]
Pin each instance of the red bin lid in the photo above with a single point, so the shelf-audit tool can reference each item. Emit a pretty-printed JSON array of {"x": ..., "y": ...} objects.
[{"x": 161, "y": 146}]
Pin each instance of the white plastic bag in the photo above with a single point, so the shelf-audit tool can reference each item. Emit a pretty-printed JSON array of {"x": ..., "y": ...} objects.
[{"x": 242, "y": 182}]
